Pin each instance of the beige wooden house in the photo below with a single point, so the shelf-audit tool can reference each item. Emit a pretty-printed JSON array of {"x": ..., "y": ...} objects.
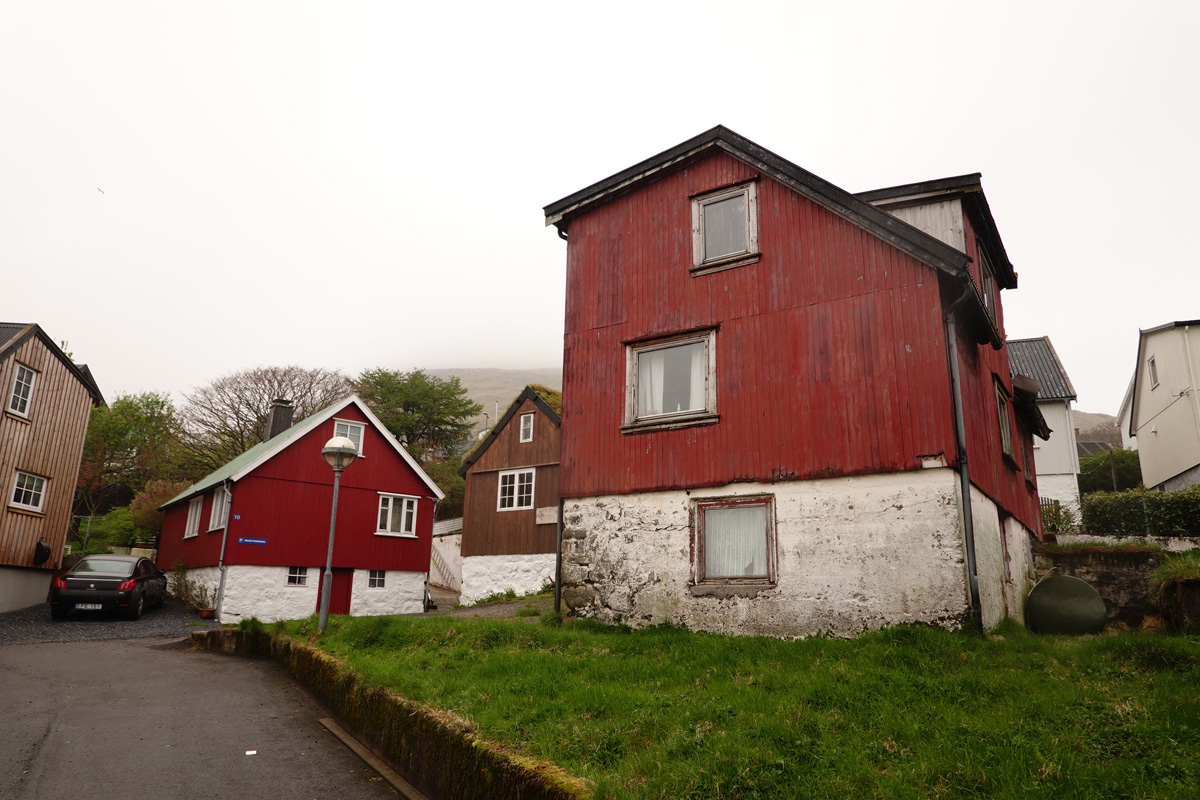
[{"x": 1165, "y": 407}]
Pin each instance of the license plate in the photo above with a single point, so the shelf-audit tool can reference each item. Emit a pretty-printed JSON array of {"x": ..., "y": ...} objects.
[{"x": 88, "y": 606}]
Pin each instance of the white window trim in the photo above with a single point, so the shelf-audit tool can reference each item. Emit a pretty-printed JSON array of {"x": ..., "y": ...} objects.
[
  {"x": 300, "y": 576},
  {"x": 1152, "y": 366},
  {"x": 700, "y": 506},
  {"x": 706, "y": 414},
  {"x": 393, "y": 496},
  {"x": 43, "y": 484},
  {"x": 702, "y": 264},
  {"x": 987, "y": 280},
  {"x": 1004, "y": 417},
  {"x": 382, "y": 584},
  {"x": 221, "y": 494},
  {"x": 362, "y": 432},
  {"x": 193, "y": 518},
  {"x": 516, "y": 482},
  {"x": 12, "y": 394},
  {"x": 527, "y": 436}
]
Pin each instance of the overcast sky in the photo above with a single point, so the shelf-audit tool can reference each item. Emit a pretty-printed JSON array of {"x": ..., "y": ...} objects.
[{"x": 189, "y": 189}]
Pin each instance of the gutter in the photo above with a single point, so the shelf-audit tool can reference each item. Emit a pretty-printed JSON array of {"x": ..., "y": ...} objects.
[{"x": 964, "y": 473}]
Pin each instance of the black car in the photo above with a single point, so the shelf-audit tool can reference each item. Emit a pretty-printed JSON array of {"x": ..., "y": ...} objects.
[{"x": 107, "y": 582}]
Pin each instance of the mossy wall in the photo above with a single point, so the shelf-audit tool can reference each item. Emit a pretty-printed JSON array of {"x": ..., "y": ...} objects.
[
  {"x": 1122, "y": 577},
  {"x": 435, "y": 752}
]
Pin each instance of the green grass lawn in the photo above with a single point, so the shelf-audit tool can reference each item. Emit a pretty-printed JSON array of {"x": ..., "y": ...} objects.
[{"x": 906, "y": 712}]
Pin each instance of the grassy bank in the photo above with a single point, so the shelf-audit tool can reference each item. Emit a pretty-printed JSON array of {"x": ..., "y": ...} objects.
[{"x": 908, "y": 712}]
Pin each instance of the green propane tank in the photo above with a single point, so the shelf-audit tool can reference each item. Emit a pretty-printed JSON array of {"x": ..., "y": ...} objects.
[{"x": 1064, "y": 604}]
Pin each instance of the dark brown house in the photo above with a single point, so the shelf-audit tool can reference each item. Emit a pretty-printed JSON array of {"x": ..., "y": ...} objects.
[
  {"x": 48, "y": 402},
  {"x": 510, "y": 507}
]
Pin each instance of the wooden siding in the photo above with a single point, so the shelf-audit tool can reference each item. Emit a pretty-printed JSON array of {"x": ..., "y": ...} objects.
[
  {"x": 49, "y": 443},
  {"x": 1168, "y": 423},
  {"x": 488, "y": 531},
  {"x": 943, "y": 220},
  {"x": 831, "y": 356},
  {"x": 287, "y": 501}
]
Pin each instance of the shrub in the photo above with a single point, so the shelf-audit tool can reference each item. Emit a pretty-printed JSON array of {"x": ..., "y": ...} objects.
[
  {"x": 1142, "y": 512},
  {"x": 1184, "y": 566},
  {"x": 1058, "y": 518}
]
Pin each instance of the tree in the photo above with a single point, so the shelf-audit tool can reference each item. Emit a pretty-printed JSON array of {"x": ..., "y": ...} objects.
[
  {"x": 147, "y": 519},
  {"x": 433, "y": 415},
  {"x": 228, "y": 416},
  {"x": 1110, "y": 471}
]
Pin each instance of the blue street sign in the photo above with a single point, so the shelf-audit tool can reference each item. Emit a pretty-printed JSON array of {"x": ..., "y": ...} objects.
[{"x": 247, "y": 540}]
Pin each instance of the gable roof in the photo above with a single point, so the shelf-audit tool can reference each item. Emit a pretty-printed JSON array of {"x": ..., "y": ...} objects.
[
  {"x": 1037, "y": 359},
  {"x": 528, "y": 393},
  {"x": 250, "y": 460},
  {"x": 1137, "y": 370},
  {"x": 15, "y": 334},
  {"x": 900, "y": 234}
]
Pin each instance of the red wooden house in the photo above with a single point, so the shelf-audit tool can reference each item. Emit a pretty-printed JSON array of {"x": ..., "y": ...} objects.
[
  {"x": 256, "y": 531},
  {"x": 788, "y": 408},
  {"x": 510, "y": 505}
]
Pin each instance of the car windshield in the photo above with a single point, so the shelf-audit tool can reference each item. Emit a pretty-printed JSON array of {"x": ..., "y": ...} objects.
[{"x": 101, "y": 564}]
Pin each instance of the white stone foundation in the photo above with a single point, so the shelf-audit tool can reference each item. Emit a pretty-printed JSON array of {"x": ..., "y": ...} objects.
[
  {"x": 487, "y": 575},
  {"x": 22, "y": 588},
  {"x": 264, "y": 592},
  {"x": 402, "y": 593},
  {"x": 853, "y": 554}
]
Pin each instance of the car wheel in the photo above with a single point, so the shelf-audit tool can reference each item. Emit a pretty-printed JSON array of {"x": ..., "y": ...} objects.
[
  {"x": 58, "y": 612},
  {"x": 137, "y": 607}
]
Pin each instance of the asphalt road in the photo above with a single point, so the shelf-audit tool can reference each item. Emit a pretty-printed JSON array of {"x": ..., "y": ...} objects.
[{"x": 138, "y": 718}]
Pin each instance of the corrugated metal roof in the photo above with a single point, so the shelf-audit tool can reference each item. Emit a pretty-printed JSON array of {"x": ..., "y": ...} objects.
[
  {"x": 8, "y": 330},
  {"x": 448, "y": 527},
  {"x": 1035, "y": 358}
]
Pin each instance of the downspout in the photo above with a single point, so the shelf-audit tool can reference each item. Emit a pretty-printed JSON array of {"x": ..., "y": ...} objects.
[
  {"x": 427, "y": 602},
  {"x": 964, "y": 473},
  {"x": 558, "y": 561},
  {"x": 224, "y": 538}
]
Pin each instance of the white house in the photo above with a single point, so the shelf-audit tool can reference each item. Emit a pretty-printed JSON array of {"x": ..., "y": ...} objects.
[
  {"x": 1165, "y": 408},
  {"x": 1057, "y": 460}
]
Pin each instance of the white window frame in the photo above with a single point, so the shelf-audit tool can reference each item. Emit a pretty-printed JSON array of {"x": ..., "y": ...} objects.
[
  {"x": 1152, "y": 365},
  {"x": 34, "y": 489},
  {"x": 23, "y": 378},
  {"x": 987, "y": 281},
  {"x": 346, "y": 425},
  {"x": 390, "y": 500},
  {"x": 699, "y": 509},
  {"x": 218, "y": 515},
  {"x": 193, "y": 518},
  {"x": 1004, "y": 416},
  {"x": 633, "y": 351},
  {"x": 527, "y": 427},
  {"x": 700, "y": 260},
  {"x": 297, "y": 576},
  {"x": 377, "y": 579},
  {"x": 515, "y": 495}
]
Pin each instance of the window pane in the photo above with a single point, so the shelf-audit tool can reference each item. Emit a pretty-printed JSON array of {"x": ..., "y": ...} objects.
[
  {"x": 410, "y": 513},
  {"x": 524, "y": 490},
  {"x": 506, "y": 490},
  {"x": 725, "y": 227},
  {"x": 735, "y": 542},
  {"x": 671, "y": 380},
  {"x": 383, "y": 512}
]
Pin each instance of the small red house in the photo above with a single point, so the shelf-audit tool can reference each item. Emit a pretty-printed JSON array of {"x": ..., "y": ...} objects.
[
  {"x": 772, "y": 387},
  {"x": 510, "y": 504},
  {"x": 256, "y": 531}
]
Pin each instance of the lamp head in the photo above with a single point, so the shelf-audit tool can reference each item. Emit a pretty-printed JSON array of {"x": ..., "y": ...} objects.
[{"x": 339, "y": 453}]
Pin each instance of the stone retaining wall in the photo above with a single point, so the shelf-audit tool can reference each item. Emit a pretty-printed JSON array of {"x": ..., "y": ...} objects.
[
  {"x": 433, "y": 750},
  {"x": 1121, "y": 577}
]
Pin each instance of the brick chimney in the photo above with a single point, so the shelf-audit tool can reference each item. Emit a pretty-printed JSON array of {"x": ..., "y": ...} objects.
[{"x": 279, "y": 418}]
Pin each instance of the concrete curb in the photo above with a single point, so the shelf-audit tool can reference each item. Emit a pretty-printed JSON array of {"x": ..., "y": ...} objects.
[{"x": 435, "y": 751}]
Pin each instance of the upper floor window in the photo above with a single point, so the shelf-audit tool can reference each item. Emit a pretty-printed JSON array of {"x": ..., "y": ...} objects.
[
  {"x": 987, "y": 280},
  {"x": 1002, "y": 410},
  {"x": 29, "y": 491},
  {"x": 516, "y": 490},
  {"x": 527, "y": 427},
  {"x": 735, "y": 540},
  {"x": 22, "y": 390},
  {"x": 218, "y": 515},
  {"x": 1153, "y": 365},
  {"x": 670, "y": 380},
  {"x": 397, "y": 515},
  {"x": 725, "y": 227},
  {"x": 352, "y": 431},
  {"x": 193, "y": 519}
]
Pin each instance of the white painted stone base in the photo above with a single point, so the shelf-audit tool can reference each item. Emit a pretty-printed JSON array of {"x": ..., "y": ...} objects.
[
  {"x": 402, "y": 593},
  {"x": 487, "y": 575},
  {"x": 22, "y": 588},
  {"x": 1063, "y": 488},
  {"x": 854, "y": 554},
  {"x": 1003, "y": 561}
]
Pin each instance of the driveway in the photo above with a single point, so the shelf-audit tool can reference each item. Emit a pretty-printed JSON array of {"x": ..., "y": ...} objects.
[
  {"x": 154, "y": 718},
  {"x": 35, "y": 625}
]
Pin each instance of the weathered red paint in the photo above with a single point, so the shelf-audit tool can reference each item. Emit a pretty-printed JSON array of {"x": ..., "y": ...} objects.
[{"x": 831, "y": 354}]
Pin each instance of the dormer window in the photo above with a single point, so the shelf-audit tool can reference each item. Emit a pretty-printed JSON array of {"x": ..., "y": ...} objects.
[{"x": 725, "y": 228}]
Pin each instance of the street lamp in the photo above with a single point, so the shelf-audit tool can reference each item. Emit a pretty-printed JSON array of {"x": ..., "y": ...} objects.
[{"x": 339, "y": 453}]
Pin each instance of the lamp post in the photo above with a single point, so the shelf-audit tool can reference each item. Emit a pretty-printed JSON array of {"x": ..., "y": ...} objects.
[{"x": 339, "y": 453}]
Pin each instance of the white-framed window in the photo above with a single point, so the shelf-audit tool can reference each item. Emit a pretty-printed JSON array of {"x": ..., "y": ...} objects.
[
  {"x": 352, "y": 431},
  {"x": 1002, "y": 412},
  {"x": 725, "y": 227},
  {"x": 397, "y": 515},
  {"x": 1153, "y": 366},
  {"x": 193, "y": 520},
  {"x": 527, "y": 427},
  {"x": 29, "y": 491},
  {"x": 671, "y": 379},
  {"x": 987, "y": 280},
  {"x": 516, "y": 490},
  {"x": 735, "y": 540},
  {"x": 297, "y": 576},
  {"x": 375, "y": 579},
  {"x": 218, "y": 515},
  {"x": 22, "y": 390}
]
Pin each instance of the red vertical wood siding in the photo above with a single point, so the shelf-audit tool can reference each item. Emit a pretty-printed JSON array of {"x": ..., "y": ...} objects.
[
  {"x": 831, "y": 357},
  {"x": 288, "y": 499}
]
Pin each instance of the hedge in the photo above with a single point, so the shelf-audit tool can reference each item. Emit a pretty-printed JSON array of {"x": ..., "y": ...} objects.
[{"x": 1142, "y": 512}]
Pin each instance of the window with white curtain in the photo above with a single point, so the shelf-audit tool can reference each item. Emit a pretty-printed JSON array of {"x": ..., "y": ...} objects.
[
  {"x": 670, "y": 379},
  {"x": 397, "y": 515},
  {"x": 735, "y": 540}
]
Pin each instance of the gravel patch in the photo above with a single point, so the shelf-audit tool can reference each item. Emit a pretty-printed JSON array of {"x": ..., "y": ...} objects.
[{"x": 33, "y": 624}]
